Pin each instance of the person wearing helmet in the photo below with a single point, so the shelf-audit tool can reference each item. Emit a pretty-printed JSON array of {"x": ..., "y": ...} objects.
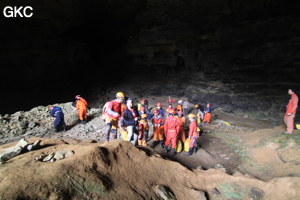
[
  {"x": 185, "y": 106},
  {"x": 143, "y": 130},
  {"x": 160, "y": 109},
  {"x": 170, "y": 101},
  {"x": 170, "y": 110},
  {"x": 179, "y": 106},
  {"x": 158, "y": 128},
  {"x": 144, "y": 111},
  {"x": 113, "y": 115},
  {"x": 200, "y": 110},
  {"x": 81, "y": 106},
  {"x": 144, "y": 103},
  {"x": 130, "y": 117},
  {"x": 181, "y": 121},
  {"x": 291, "y": 109},
  {"x": 193, "y": 135},
  {"x": 59, "y": 122},
  {"x": 207, "y": 114},
  {"x": 171, "y": 129}
]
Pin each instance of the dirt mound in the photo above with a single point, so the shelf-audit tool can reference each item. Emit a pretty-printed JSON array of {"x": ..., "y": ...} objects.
[{"x": 118, "y": 170}]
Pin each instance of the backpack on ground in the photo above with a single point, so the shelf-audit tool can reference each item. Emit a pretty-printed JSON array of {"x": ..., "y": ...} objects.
[
  {"x": 187, "y": 145},
  {"x": 178, "y": 147}
]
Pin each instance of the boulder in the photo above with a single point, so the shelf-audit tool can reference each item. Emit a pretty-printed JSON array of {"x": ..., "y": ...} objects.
[{"x": 11, "y": 152}]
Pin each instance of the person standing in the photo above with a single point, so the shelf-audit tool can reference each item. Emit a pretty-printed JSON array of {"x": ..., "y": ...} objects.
[
  {"x": 130, "y": 117},
  {"x": 171, "y": 110},
  {"x": 143, "y": 131},
  {"x": 291, "y": 109},
  {"x": 113, "y": 115},
  {"x": 59, "y": 122},
  {"x": 158, "y": 128},
  {"x": 207, "y": 114},
  {"x": 185, "y": 106},
  {"x": 193, "y": 135},
  {"x": 179, "y": 106},
  {"x": 171, "y": 129},
  {"x": 170, "y": 101},
  {"x": 200, "y": 110},
  {"x": 160, "y": 109},
  {"x": 181, "y": 121},
  {"x": 81, "y": 106}
]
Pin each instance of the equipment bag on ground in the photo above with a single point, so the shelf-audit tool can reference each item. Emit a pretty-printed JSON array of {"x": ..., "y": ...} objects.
[
  {"x": 187, "y": 145},
  {"x": 178, "y": 147}
]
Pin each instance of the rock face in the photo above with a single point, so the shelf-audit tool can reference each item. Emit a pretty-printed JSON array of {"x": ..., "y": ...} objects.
[
  {"x": 118, "y": 170},
  {"x": 238, "y": 56}
]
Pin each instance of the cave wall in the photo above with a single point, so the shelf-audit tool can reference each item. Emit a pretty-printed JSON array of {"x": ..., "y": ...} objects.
[{"x": 239, "y": 56}]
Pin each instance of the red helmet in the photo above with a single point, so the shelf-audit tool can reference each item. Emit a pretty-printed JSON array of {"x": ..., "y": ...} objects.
[
  {"x": 156, "y": 111},
  {"x": 142, "y": 108},
  {"x": 171, "y": 110},
  {"x": 143, "y": 100},
  {"x": 159, "y": 104}
]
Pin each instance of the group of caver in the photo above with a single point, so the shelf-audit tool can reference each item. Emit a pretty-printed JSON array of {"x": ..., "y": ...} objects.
[{"x": 133, "y": 121}]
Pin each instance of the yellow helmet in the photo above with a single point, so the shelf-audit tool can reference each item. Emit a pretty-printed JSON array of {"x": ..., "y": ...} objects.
[
  {"x": 144, "y": 116},
  {"x": 191, "y": 115},
  {"x": 120, "y": 95}
]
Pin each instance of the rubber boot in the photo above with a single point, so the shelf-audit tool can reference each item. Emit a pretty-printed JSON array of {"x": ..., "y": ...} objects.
[
  {"x": 85, "y": 120},
  {"x": 194, "y": 150},
  {"x": 166, "y": 149},
  {"x": 154, "y": 143},
  {"x": 56, "y": 129},
  {"x": 81, "y": 121},
  {"x": 114, "y": 134},
  {"x": 190, "y": 151},
  {"x": 161, "y": 143},
  {"x": 173, "y": 152},
  {"x": 107, "y": 132}
]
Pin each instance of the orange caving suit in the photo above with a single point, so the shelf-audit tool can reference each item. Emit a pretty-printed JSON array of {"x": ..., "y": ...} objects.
[
  {"x": 181, "y": 134},
  {"x": 81, "y": 106},
  {"x": 158, "y": 128},
  {"x": 193, "y": 134},
  {"x": 291, "y": 108},
  {"x": 171, "y": 129},
  {"x": 143, "y": 132}
]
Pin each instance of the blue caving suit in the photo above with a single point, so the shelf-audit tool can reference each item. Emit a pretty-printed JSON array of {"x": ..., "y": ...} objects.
[{"x": 59, "y": 122}]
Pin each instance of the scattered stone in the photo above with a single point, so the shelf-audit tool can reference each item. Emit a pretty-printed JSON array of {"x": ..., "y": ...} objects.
[
  {"x": 41, "y": 157},
  {"x": 215, "y": 192},
  {"x": 164, "y": 193},
  {"x": 63, "y": 154},
  {"x": 219, "y": 166},
  {"x": 48, "y": 158},
  {"x": 256, "y": 193},
  {"x": 34, "y": 145},
  {"x": 11, "y": 152}
]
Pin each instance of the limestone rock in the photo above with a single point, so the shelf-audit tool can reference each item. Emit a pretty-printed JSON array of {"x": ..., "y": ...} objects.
[
  {"x": 63, "y": 154},
  {"x": 11, "y": 152},
  {"x": 163, "y": 193},
  {"x": 48, "y": 158}
]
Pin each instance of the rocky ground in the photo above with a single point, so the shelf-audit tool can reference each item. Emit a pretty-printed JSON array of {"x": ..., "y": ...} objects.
[{"x": 250, "y": 159}]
